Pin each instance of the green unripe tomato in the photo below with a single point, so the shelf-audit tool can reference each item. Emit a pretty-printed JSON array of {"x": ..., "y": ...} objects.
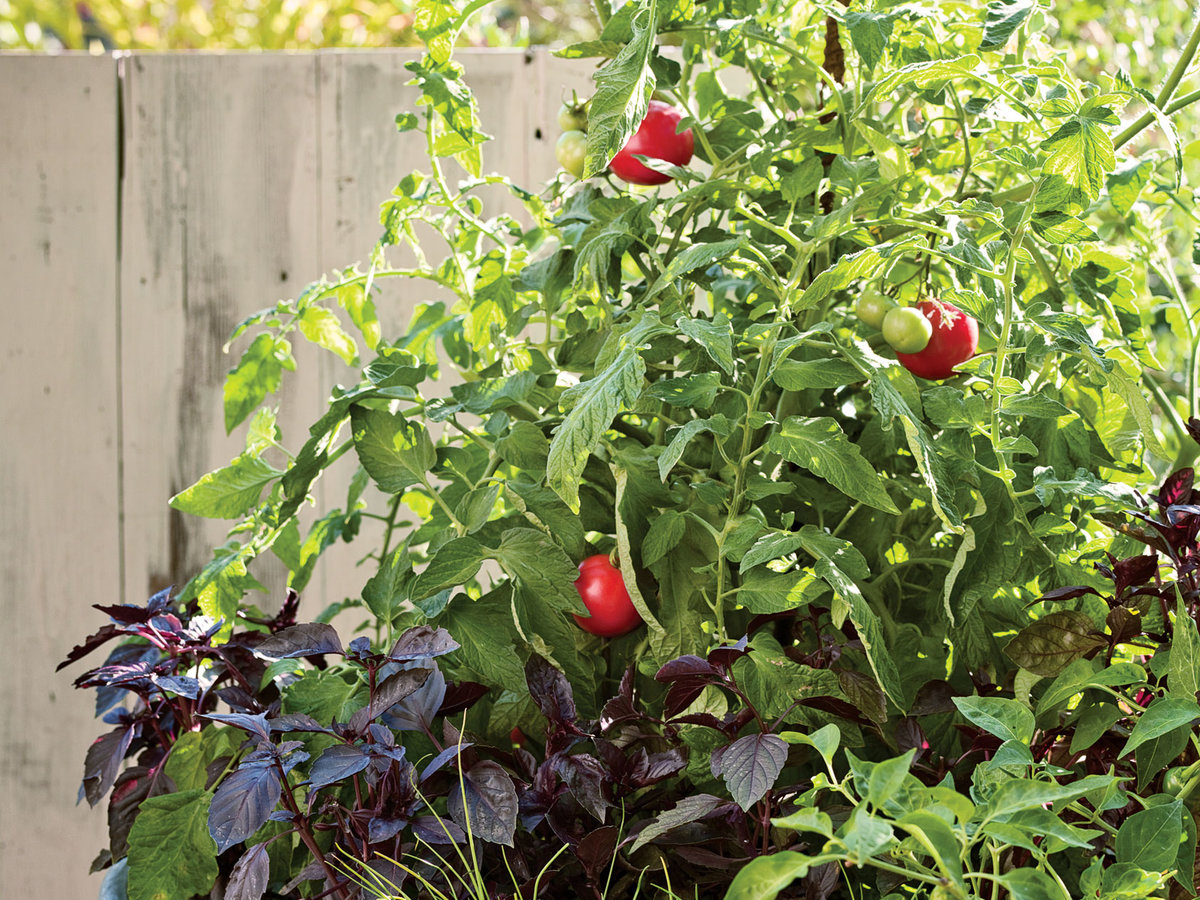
[
  {"x": 573, "y": 117},
  {"x": 871, "y": 306},
  {"x": 906, "y": 330},
  {"x": 571, "y": 150}
]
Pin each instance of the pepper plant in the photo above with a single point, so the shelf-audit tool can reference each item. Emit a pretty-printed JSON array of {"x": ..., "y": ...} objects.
[{"x": 676, "y": 376}]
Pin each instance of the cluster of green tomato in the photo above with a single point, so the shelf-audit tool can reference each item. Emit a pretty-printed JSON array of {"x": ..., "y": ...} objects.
[
  {"x": 930, "y": 338},
  {"x": 658, "y": 137}
]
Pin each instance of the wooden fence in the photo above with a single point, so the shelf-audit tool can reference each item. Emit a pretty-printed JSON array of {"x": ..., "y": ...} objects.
[{"x": 147, "y": 204}]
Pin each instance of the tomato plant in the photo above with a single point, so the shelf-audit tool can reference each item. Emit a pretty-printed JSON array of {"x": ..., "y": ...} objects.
[
  {"x": 906, "y": 329},
  {"x": 823, "y": 538},
  {"x": 953, "y": 339},
  {"x": 657, "y": 137},
  {"x": 611, "y": 612},
  {"x": 570, "y": 150}
]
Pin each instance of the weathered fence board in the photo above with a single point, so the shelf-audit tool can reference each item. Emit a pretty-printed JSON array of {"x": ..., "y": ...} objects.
[
  {"x": 132, "y": 245},
  {"x": 59, "y": 543}
]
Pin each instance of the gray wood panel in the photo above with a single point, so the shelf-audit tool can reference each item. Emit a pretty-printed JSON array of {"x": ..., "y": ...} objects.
[
  {"x": 219, "y": 219},
  {"x": 59, "y": 541}
]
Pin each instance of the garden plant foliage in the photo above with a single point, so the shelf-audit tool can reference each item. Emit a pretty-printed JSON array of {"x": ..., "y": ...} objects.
[{"x": 901, "y": 637}]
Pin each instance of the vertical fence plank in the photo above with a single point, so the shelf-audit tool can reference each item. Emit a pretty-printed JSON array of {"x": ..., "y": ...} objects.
[
  {"x": 219, "y": 219},
  {"x": 59, "y": 549}
]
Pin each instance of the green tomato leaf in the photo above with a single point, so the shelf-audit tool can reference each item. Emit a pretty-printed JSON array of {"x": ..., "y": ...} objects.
[
  {"x": 1003, "y": 18},
  {"x": 596, "y": 405},
  {"x": 258, "y": 373},
  {"x": 820, "y": 446},
  {"x": 171, "y": 854},
  {"x": 623, "y": 89},
  {"x": 229, "y": 492},
  {"x": 395, "y": 452}
]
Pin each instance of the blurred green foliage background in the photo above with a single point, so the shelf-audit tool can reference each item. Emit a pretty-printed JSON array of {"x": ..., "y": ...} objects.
[{"x": 102, "y": 25}]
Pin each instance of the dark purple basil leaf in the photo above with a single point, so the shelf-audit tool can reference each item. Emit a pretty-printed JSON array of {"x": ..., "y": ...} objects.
[
  {"x": 183, "y": 685},
  {"x": 934, "y": 697},
  {"x": 297, "y": 722},
  {"x": 550, "y": 691},
  {"x": 435, "y": 764},
  {"x": 1181, "y": 514},
  {"x": 126, "y": 613},
  {"x": 433, "y": 830},
  {"x": 839, "y": 708},
  {"x": 160, "y": 601},
  {"x": 378, "y": 734},
  {"x": 708, "y": 720},
  {"x": 1067, "y": 593},
  {"x": 422, "y": 642},
  {"x": 689, "y": 809},
  {"x": 103, "y": 762},
  {"x": 651, "y": 768},
  {"x": 417, "y": 711},
  {"x": 490, "y": 808},
  {"x": 314, "y": 871},
  {"x": 360, "y": 647},
  {"x": 749, "y": 766},
  {"x": 242, "y": 804},
  {"x": 241, "y": 700},
  {"x": 164, "y": 624},
  {"x": 292, "y": 754},
  {"x": 1135, "y": 571},
  {"x": 90, "y": 643},
  {"x": 909, "y": 735},
  {"x": 1124, "y": 624},
  {"x": 462, "y": 695},
  {"x": 712, "y": 860},
  {"x": 1176, "y": 489},
  {"x": 256, "y": 725},
  {"x": 584, "y": 777},
  {"x": 337, "y": 763},
  {"x": 595, "y": 852},
  {"x": 689, "y": 667},
  {"x": 282, "y": 815},
  {"x": 724, "y": 657},
  {"x": 617, "y": 710},
  {"x": 681, "y": 695},
  {"x": 248, "y": 880},
  {"x": 132, "y": 787},
  {"x": 135, "y": 676},
  {"x": 286, "y": 617},
  {"x": 383, "y": 829},
  {"x": 395, "y": 689},
  {"x": 311, "y": 639}
]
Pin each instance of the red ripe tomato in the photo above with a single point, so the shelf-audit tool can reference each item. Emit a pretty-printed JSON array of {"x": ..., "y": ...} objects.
[
  {"x": 954, "y": 340},
  {"x": 655, "y": 138},
  {"x": 604, "y": 594}
]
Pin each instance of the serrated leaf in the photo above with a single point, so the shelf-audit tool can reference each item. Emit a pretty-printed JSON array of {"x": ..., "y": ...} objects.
[
  {"x": 484, "y": 802},
  {"x": 1003, "y": 18},
  {"x": 1082, "y": 153},
  {"x": 714, "y": 336},
  {"x": 540, "y": 565},
  {"x": 869, "y": 33},
  {"x": 258, "y": 373},
  {"x": 229, "y": 492},
  {"x": 171, "y": 855},
  {"x": 322, "y": 327},
  {"x": 830, "y": 372},
  {"x": 308, "y": 639},
  {"x": 395, "y": 452},
  {"x": 820, "y": 446},
  {"x": 671, "y": 454},
  {"x": 622, "y": 96},
  {"x": 695, "y": 257},
  {"x": 597, "y": 404},
  {"x": 749, "y": 766},
  {"x": 242, "y": 804},
  {"x": 687, "y": 810},
  {"x": 250, "y": 876}
]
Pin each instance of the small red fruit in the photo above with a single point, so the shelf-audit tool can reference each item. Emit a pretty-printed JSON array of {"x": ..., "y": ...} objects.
[
  {"x": 655, "y": 138},
  {"x": 954, "y": 340},
  {"x": 603, "y": 592}
]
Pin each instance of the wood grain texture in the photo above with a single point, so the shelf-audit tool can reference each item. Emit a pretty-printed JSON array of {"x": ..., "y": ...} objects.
[
  {"x": 219, "y": 220},
  {"x": 246, "y": 176},
  {"x": 59, "y": 545}
]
